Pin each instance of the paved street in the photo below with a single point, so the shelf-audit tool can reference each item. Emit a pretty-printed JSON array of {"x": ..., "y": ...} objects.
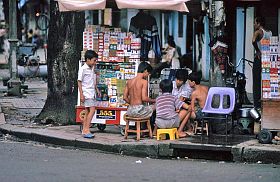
[{"x": 31, "y": 161}]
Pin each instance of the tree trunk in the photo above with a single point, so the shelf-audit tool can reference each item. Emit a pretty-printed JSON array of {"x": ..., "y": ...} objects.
[{"x": 64, "y": 53}]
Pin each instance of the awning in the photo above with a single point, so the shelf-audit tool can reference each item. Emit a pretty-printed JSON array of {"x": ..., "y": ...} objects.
[
  {"x": 81, "y": 5},
  {"x": 175, "y": 5},
  {"x": 21, "y": 3}
]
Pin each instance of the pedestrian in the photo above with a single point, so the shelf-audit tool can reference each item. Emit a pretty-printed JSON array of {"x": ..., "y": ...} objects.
[
  {"x": 29, "y": 36},
  {"x": 260, "y": 33},
  {"x": 88, "y": 89}
]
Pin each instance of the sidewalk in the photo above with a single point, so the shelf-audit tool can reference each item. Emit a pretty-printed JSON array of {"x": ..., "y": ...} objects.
[{"x": 17, "y": 114}]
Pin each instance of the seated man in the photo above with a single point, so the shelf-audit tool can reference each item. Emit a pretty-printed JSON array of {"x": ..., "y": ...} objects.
[
  {"x": 166, "y": 107},
  {"x": 198, "y": 99},
  {"x": 181, "y": 88},
  {"x": 136, "y": 93}
]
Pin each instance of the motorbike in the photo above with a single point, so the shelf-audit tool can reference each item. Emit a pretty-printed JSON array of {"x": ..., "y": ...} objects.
[
  {"x": 245, "y": 113},
  {"x": 28, "y": 62}
]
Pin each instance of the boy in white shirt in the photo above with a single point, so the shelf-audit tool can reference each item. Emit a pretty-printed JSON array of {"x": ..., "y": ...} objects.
[{"x": 87, "y": 88}]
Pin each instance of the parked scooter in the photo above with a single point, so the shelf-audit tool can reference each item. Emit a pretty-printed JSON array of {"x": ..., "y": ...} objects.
[
  {"x": 28, "y": 62},
  {"x": 245, "y": 114}
]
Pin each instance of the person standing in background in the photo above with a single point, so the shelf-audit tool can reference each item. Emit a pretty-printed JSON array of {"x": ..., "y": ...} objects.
[
  {"x": 170, "y": 54},
  {"x": 260, "y": 33},
  {"x": 170, "y": 58},
  {"x": 29, "y": 36}
]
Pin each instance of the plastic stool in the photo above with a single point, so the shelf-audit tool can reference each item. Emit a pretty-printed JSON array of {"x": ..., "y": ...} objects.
[
  {"x": 138, "y": 122},
  {"x": 201, "y": 128},
  {"x": 173, "y": 133}
]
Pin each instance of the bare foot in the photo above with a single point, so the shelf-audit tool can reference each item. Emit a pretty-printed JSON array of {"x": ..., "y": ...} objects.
[
  {"x": 182, "y": 134},
  {"x": 189, "y": 133}
]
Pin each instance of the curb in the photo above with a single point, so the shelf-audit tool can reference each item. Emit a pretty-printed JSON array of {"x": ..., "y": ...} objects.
[
  {"x": 133, "y": 149},
  {"x": 250, "y": 151},
  {"x": 2, "y": 117},
  {"x": 254, "y": 152}
]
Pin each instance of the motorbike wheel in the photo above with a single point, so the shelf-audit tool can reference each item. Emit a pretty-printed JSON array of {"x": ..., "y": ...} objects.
[
  {"x": 265, "y": 136},
  {"x": 101, "y": 127}
]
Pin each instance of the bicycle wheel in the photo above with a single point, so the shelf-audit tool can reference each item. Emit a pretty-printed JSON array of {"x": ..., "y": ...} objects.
[{"x": 42, "y": 22}]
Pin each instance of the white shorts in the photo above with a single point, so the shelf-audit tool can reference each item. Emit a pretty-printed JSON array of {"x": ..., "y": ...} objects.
[{"x": 168, "y": 123}]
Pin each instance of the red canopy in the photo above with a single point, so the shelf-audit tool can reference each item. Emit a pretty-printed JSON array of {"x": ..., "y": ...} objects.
[{"x": 81, "y": 5}]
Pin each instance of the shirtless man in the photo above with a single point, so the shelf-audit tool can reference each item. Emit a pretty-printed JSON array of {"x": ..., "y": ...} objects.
[
  {"x": 136, "y": 93},
  {"x": 198, "y": 99}
]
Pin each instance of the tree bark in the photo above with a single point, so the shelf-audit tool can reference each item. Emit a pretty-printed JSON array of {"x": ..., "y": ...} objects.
[{"x": 64, "y": 53}]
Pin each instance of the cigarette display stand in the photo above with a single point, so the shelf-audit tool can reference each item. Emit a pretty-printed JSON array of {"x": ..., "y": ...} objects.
[
  {"x": 118, "y": 58},
  {"x": 270, "y": 122}
]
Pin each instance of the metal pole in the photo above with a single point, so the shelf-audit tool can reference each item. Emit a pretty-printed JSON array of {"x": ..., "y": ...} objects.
[
  {"x": 13, "y": 38},
  {"x": 244, "y": 39},
  {"x": 14, "y": 84},
  {"x": 194, "y": 48}
]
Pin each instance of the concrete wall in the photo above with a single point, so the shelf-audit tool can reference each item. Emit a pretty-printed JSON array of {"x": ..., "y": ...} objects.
[
  {"x": 249, "y": 49},
  {"x": 240, "y": 36}
]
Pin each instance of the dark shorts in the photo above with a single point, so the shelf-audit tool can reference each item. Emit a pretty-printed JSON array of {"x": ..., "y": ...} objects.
[{"x": 198, "y": 112}]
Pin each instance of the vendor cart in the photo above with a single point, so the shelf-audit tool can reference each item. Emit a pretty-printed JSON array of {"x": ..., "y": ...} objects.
[
  {"x": 270, "y": 122},
  {"x": 104, "y": 116}
]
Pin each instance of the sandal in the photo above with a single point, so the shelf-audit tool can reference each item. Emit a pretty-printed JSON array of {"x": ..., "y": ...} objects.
[{"x": 89, "y": 135}]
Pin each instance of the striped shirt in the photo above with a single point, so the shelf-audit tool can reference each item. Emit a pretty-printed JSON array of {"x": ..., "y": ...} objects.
[{"x": 166, "y": 106}]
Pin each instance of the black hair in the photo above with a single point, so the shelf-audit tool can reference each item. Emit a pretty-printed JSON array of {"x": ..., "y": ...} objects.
[
  {"x": 196, "y": 77},
  {"x": 166, "y": 86},
  {"x": 260, "y": 20},
  {"x": 170, "y": 41},
  {"x": 181, "y": 75},
  {"x": 144, "y": 66},
  {"x": 90, "y": 54}
]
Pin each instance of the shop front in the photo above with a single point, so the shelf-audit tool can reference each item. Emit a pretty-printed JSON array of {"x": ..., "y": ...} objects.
[{"x": 240, "y": 27}]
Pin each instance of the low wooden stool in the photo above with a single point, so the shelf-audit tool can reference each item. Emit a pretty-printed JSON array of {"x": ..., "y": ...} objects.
[
  {"x": 201, "y": 128},
  {"x": 138, "y": 122},
  {"x": 172, "y": 132}
]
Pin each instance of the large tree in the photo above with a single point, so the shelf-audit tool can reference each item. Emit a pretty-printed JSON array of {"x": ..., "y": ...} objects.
[{"x": 64, "y": 53}]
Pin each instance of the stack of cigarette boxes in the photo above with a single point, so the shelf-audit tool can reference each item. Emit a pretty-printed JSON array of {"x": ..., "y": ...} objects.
[
  {"x": 111, "y": 44},
  {"x": 270, "y": 67},
  {"x": 118, "y": 56}
]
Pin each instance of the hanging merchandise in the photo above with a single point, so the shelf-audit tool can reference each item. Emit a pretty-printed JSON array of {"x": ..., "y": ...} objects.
[
  {"x": 220, "y": 16},
  {"x": 148, "y": 32},
  {"x": 220, "y": 54}
]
